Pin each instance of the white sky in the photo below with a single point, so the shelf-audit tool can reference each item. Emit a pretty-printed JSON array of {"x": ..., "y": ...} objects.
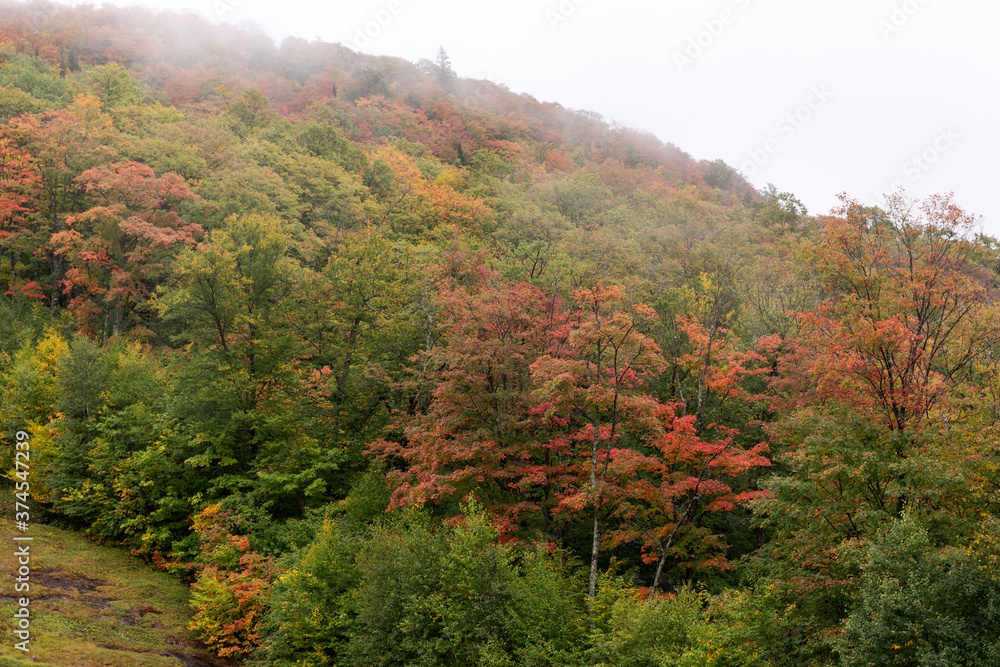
[{"x": 902, "y": 91}]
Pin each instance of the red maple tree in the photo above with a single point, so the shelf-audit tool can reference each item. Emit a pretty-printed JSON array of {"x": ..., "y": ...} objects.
[{"x": 115, "y": 248}]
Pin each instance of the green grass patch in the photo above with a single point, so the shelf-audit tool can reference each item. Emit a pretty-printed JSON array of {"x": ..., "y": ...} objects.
[{"x": 93, "y": 605}]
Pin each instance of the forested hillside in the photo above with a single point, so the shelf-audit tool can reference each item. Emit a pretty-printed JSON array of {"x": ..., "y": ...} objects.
[{"x": 396, "y": 367}]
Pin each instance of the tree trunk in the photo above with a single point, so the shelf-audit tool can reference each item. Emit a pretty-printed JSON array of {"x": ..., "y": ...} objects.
[
  {"x": 57, "y": 274},
  {"x": 107, "y": 324},
  {"x": 663, "y": 558},
  {"x": 119, "y": 316},
  {"x": 595, "y": 549}
]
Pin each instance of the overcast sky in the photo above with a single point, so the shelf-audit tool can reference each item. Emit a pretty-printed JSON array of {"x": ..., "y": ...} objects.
[{"x": 815, "y": 97}]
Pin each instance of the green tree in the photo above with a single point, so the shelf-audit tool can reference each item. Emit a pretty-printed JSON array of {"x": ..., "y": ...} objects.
[
  {"x": 435, "y": 597},
  {"x": 368, "y": 82},
  {"x": 227, "y": 298},
  {"x": 921, "y": 604},
  {"x": 309, "y": 620},
  {"x": 38, "y": 79},
  {"x": 113, "y": 86},
  {"x": 242, "y": 392},
  {"x": 227, "y": 302},
  {"x": 113, "y": 413},
  {"x": 247, "y": 112}
]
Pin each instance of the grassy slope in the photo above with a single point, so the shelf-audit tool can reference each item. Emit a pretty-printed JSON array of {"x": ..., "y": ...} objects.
[{"x": 93, "y": 605}]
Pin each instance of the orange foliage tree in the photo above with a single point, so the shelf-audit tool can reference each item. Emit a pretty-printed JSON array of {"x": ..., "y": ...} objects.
[
  {"x": 908, "y": 310},
  {"x": 233, "y": 582},
  {"x": 63, "y": 144},
  {"x": 115, "y": 249},
  {"x": 543, "y": 412},
  {"x": 870, "y": 389},
  {"x": 435, "y": 205},
  {"x": 19, "y": 185}
]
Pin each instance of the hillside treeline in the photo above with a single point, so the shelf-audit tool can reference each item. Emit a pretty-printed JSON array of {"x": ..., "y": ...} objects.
[{"x": 401, "y": 368}]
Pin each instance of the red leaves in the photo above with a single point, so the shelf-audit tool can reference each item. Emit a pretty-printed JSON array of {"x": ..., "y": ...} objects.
[
  {"x": 229, "y": 596},
  {"x": 18, "y": 182},
  {"x": 906, "y": 315},
  {"x": 134, "y": 219},
  {"x": 19, "y": 188},
  {"x": 686, "y": 477},
  {"x": 556, "y": 160},
  {"x": 532, "y": 406},
  {"x": 479, "y": 429},
  {"x": 30, "y": 290}
]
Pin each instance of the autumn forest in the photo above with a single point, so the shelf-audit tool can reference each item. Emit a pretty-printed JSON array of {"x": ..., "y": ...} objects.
[{"x": 395, "y": 367}]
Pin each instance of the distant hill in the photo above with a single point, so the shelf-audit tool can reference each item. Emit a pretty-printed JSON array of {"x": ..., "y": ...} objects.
[{"x": 181, "y": 59}]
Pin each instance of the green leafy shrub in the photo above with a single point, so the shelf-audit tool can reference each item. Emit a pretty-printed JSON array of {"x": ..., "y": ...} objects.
[
  {"x": 435, "y": 597},
  {"x": 688, "y": 629},
  {"x": 309, "y": 619},
  {"x": 922, "y": 605}
]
